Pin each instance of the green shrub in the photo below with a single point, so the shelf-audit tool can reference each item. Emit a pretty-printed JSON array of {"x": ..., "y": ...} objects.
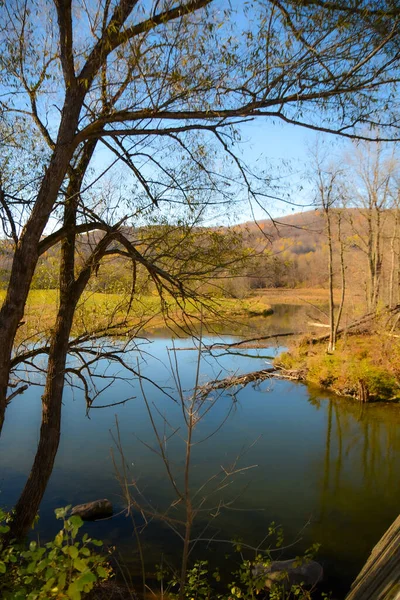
[
  {"x": 61, "y": 569},
  {"x": 381, "y": 384},
  {"x": 286, "y": 360},
  {"x": 248, "y": 583},
  {"x": 248, "y": 580},
  {"x": 358, "y": 359},
  {"x": 325, "y": 369}
]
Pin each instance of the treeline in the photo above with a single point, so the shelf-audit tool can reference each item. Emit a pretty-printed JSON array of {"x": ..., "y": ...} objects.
[
  {"x": 298, "y": 252},
  {"x": 206, "y": 260},
  {"x": 290, "y": 252}
]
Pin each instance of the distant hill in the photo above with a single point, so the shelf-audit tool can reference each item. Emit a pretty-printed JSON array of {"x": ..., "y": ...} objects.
[
  {"x": 298, "y": 245},
  {"x": 292, "y": 252}
]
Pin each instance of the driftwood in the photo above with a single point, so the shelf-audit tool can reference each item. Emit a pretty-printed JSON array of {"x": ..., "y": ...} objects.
[
  {"x": 236, "y": 380},
  {"x": 91, "y": 511},
  {"x": 380, "y": 577},
  {"x": 254, "y": 376},
  {"x": 362, "y": 322}
]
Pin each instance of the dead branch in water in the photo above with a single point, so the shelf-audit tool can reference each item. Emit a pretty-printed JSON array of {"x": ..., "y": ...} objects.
[
  {"x": 363, "y": 322},
  {"x": 261, "y": 338},
  {"x": 254, "y": 376}
]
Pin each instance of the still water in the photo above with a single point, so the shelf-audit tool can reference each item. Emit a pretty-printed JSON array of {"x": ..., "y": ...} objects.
[{"x": 326, "y": 469}]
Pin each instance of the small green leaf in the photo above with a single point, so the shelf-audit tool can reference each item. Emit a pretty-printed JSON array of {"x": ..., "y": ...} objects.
[
  {"x": 80, "y": 565},
  {"x": 76, "y": 521},
  {"x": 49, "y": 573},
  {"x": 61, "y": 512},
  {"x": 87, "y": 579},
  {"x": 61, "y": 581},
  {"x": 73, "y": 551},
  {"x": 72, "y": 592},
  {"x": 2, "y": 567},
  {"x": 101, "y": 572},
  {"x": 59, "y": 538}
]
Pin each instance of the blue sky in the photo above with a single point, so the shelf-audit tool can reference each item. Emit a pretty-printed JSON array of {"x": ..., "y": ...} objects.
[
  {"x": 276, "y": 145},
  {"x": 280, "y": 149}
]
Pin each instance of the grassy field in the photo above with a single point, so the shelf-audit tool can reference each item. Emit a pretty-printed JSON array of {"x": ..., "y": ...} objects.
[
  {"x": 368, "y": 360},
  {"x": 298, "y": 296},
  {"x": 105, "y": 310}
]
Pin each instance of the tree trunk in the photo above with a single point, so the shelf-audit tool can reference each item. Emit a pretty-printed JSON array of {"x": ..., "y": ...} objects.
[
  {"x": 343, "y": 279},
  {"x": 363, "y": 391},
  {"x": 70, "y": 292},
  {"x": 331, "y": 345},
  {"x": 394, "y": 260},
  {"x": 26, "y": 252},
  {"x": 31, "y": 497}
]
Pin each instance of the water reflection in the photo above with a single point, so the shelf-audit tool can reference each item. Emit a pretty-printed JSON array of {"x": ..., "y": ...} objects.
[
  {"x": 360, "y": 479},
  {"x": 320, "y": 459},
  {"x": 285, "y": 318}
]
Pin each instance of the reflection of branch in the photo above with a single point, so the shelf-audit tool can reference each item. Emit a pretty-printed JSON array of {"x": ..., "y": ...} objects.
[
  {"x": 248, "y": 341},
  {"x": 160, "y": 445},
  {"x": 16, "y": 392},
  {"x": 247, "y": 546},
  {"x": 194, "y": 408}
]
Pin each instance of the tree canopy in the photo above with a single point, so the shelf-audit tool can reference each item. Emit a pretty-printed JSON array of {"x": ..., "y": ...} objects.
[{"x": 162, "y": 88}]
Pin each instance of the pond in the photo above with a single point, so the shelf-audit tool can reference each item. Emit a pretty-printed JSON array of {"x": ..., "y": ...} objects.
[{"x": 326, "y": 469}]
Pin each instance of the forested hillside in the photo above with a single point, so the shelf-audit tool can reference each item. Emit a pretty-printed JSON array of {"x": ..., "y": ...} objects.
[
  {"x": 297, "y": 249},
  {"x": 285, "y": 253}
]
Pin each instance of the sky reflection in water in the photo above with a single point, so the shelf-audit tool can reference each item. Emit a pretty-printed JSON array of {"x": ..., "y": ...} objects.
[{"x": 320, "y": 460}]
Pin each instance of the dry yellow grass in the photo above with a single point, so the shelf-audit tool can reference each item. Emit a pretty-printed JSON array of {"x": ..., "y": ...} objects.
[
  {"x": 299, "y": 296},
  {"x": 105, "y": 310},
  {"x": 373, "y": 359}
]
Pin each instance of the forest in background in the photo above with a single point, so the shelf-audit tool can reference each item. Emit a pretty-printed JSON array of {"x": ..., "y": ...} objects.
[
  {"x": 289, "y": 252},
  {"x": 112, "y": 111}
]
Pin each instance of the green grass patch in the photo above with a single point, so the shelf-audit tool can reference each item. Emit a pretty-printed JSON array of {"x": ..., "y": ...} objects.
[
  {"x": 372, "y": 361},
  {"x": 98, "y": 310}
]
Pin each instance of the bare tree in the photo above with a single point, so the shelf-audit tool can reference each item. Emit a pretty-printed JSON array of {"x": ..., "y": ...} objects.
[
  {"x": 189, "y": 504},
  {"x": 372, "y": 189},
  {"x": 329, "y": 194},
  {"x": 128, "y": 80},
  {"x": 394, "y": 279}
]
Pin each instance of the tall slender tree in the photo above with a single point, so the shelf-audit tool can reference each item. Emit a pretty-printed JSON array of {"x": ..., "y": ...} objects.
[{"x": 162, "y": 87}]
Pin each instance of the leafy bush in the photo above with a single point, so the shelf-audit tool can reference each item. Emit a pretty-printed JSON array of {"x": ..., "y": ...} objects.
[
  {"x": 248, "y": 584},
  {"x": 61, "y": 569},
  {"x": 325, "y": 369},
  {"x": 248, "y": 580},
  {"x": 286, "y": 360},
  {"x": 381, "y": 384},
  {"x": 369, "y": 360}
]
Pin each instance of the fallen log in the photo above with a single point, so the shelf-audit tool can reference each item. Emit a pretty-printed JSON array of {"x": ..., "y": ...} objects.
[
  {"x": 92, "y": 511},
  {"x": 361, "y": 322},
  {"x": 236, "y": 380},
  {"x": 379, "y": 579},
  {"x": 254, "y": 376}
]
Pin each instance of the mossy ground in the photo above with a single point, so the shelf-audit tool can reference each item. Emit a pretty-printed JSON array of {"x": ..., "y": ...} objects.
[{"x": 372, "y": 360}]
